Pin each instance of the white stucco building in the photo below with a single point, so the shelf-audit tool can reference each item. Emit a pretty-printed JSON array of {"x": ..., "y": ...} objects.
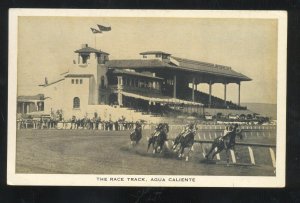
[{"x": 76, "y": 92}]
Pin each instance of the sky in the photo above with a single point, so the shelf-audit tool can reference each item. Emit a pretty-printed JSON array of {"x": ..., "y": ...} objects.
[{"x": 46, "y": 48}]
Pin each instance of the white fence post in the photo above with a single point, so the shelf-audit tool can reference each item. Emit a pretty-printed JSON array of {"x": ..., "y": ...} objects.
[
  {"x": 167, "y": 144},
  {"x": 251, "y": 155},
  {"x": 218, "y": 155},
  {"x": 273, "y": 157},
  {"x": 203, "y": 150},
  {"x": 233, "y": 156}
]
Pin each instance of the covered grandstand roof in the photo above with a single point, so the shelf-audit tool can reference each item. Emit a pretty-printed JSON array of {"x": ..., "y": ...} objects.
[
  {"x": 138, "y": 63},
  {"x": 210, "y": 68},
  {"x": 181, "y": 64}
]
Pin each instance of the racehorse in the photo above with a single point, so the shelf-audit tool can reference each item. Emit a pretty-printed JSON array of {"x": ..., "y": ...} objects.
[
  {"x": 227, "y": 142},
  {"x": 184, "y": 142},
  {"x": 136, "y": 136},
  {"x": 158, "y": 138}
]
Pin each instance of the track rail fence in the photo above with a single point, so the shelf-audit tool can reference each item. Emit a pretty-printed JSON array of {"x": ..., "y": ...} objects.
[
  {"x": 269, "y": 148},
  {"x": 206, "y": 134}
]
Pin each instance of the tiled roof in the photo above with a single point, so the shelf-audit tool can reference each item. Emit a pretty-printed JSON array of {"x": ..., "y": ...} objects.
[
  {"x": 79, "y": 75},
  {"x": 137, "y": 63},
  {"x": 31, "y": 97},
  {"x": 183, "y": 64},
  {"x": 209, "y": 68},
  {"x": 126, "y": 72},
  {"x": 154, "y": 52},
  {"x": 51, "y": 83},
  {"x": 90, "y": 50}
]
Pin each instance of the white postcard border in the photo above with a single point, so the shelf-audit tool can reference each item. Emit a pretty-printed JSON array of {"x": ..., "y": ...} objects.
[{"x": 200, "y": 181}]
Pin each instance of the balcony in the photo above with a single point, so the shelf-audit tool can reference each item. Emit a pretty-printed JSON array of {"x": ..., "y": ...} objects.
[{"x": 136, "y": 90}]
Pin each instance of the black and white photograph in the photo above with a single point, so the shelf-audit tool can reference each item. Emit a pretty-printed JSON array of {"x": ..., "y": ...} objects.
[{"x": 147, "y": 98}]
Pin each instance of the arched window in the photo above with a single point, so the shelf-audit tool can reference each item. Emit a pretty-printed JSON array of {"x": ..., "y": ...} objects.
[{"x": 76, "y": 102}]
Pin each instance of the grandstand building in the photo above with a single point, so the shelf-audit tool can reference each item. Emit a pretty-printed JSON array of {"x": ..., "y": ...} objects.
[{"x": 156, "y": 84}]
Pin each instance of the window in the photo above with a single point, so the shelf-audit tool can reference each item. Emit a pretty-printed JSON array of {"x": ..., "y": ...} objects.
[
  {"x": 144, "y": 56},
  {"x": 76, "y": 102},
  {"x": 76, "y": 81},
  {"x": 158, "y": 55},
  {"x": 85, "y": 58},
  {"x": 72, "y": 81},
  {"x": 80, "y": 81}
]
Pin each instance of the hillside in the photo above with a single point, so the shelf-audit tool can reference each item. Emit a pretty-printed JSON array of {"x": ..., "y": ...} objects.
[{"x": 262, "y": 108}]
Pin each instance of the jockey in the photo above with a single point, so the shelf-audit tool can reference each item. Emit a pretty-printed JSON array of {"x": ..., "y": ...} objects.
[
  {"x": 227, "y": 130},
  {"x": 137, "y": 126},
  {"x": 158, "y": 129},
  {"x": 237, "y": 129},
  {"x": 188, "y": 129},
  {"x": 224, "y": 136},
  {"x": 184, "y": 129}
]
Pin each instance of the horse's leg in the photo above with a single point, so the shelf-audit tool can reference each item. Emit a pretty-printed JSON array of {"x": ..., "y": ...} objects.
[
  {"x": 235, "y": 152},
  {"x": 210, "y": 151},
  {"x": 188, "y": 154},
  {"x": 219, "y": 149},
  {"x": 181, "y": 152},
  {"x": 149, "y": 143},
  {"x": 227, "y": 156}
]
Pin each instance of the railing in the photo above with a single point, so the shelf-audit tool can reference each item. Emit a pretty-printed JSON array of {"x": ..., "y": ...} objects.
[
  {"x": 250, "y": 147},
  {"x": 67, "y": 125},
  {"x": 207, "y": 133}
]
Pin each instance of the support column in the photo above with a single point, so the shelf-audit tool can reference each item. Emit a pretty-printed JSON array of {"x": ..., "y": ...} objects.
[
  {"x": 239, "y": 94},
  {"x": 174, "y": 85},
  {"x": 225, "y": 89},
  {"x": 210, "y": 90},
  {"x": 23, "y": 108},
  {"x": 120, "y": 88},
  {"x": 193, "y": 90},
  {"x": 28, "y": 108},
  {"x": 196, "y": 89},
  {"x": 36, "y": 106}
]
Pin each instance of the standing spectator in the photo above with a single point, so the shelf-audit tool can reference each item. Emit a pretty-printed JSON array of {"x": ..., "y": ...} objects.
[{"x": 73, "y": 121}]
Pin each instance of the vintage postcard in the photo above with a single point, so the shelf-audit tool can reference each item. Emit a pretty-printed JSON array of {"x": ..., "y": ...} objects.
[{"x": 147, "y": 98}]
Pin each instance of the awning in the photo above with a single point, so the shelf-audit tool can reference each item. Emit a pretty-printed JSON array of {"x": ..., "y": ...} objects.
[{"x": 166, "y": 100}]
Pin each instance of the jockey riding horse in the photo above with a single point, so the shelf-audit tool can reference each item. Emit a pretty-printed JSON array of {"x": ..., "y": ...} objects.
[
  {"x": 185, "y": 140},
  {"x": 136, "y": 135},
  {"x": 186, "y": 129},
  {"x": 158, "y": 137},
  {"x": 227, "y": 142}
]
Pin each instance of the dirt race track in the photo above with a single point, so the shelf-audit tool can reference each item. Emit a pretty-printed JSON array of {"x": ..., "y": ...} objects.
[{"x": 107, "y": 152}]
